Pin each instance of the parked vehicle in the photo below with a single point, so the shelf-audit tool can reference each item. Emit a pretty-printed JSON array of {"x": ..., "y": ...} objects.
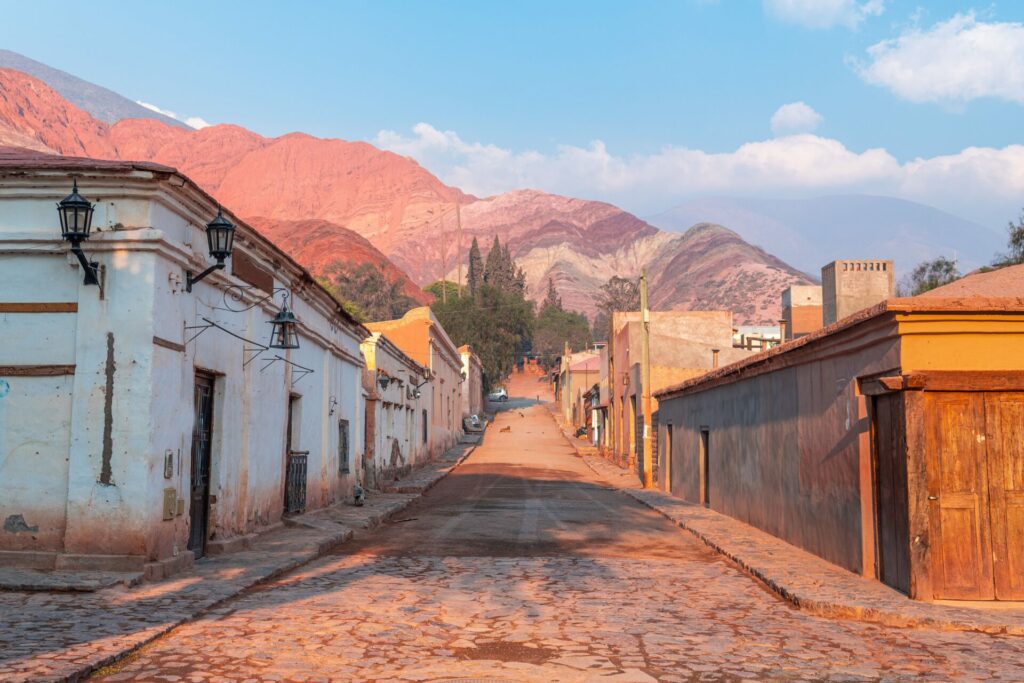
[
  {"x": 473, "y": 423},
  {"x": 498, "y": 395}
]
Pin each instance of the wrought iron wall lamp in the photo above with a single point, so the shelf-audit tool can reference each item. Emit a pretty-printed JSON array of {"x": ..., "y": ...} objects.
[
  {"x": 75, "y": 223},
  {"x": 220, "y": 235}
]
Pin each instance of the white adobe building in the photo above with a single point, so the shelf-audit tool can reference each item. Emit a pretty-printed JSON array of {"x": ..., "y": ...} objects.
[
  {"x": 142, "y": 424},
  {"x": 399, "y": 395}
]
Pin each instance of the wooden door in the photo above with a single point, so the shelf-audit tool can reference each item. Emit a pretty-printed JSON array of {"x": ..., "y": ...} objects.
[
  {"x": 199, "y": 487},
  {"x": 960, "y": 540},
  {"x": 891, "y": 492},
  {"x": 1004, "y": 420}
]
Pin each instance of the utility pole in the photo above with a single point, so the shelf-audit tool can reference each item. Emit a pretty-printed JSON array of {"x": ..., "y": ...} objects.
[
  {"x": 613, "y": 416},
  {"x": 444, "y": 264},
  {"x": 458, "y": 248},
  {"x": 645, "y": 369}
]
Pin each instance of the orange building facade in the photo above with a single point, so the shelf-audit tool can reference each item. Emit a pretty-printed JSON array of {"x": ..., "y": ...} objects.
[
  {"x": 420, "y": 336},
  {"x": 889, "y": 443}
]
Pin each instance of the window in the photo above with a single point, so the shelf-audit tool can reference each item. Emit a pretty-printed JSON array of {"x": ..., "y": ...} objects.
[
  {"x": 424, "y": 425},
  {"x": 343, "y": 454}
]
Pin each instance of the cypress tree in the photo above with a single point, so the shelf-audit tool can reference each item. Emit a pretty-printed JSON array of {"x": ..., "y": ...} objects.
[
  {"x": 493, "y": 268},
  {"x": 552, "y": 300},
  {"x": 476, "y": 268}
]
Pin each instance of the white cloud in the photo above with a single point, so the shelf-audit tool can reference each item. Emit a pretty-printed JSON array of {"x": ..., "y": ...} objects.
[
  {"x": 824, "y": 13},
  {"x": 983, "y": 184},
  {"x": 953, "y": 62},
  {"x": 158, "y": 110},
  {"x": 795, "y": 117},
  {"x": 191, "y": 121}
]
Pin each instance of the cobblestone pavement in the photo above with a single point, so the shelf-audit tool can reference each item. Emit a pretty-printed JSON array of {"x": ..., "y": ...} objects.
[
  {"x": 804, "y": 579},
  {"x": 57, "y": 636},
  {"x": 522, "y": 566}
]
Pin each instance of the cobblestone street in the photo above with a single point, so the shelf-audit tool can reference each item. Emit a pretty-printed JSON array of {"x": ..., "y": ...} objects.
[{"x": 522, "y": 566}]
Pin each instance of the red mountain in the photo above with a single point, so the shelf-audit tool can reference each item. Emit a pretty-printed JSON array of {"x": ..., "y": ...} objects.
[{"x": 407, "y": 213}]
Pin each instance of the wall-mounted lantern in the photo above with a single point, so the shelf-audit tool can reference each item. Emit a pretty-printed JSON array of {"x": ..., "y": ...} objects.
[
  {"x": 284, "y": 334},
  {"x": 383, "y": 381},
  {"x": 332, "y": 403},
  {"x": 220, "y": 234},
  {"x": 75, "y": 222}
]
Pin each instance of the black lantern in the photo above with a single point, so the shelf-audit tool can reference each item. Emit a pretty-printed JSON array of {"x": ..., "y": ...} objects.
[
  {"x": 383, "y": 381},
  {"x": 220, "y": 235},
  {"x": 75, "y": 213},
  {"x": 284, "y": 334},
  {"x": 75, "y": 216}
]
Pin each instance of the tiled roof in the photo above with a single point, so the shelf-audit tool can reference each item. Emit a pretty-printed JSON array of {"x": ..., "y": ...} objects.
[
  {"x": 1008, "y": 281},
  {"x": 16, "y": 157}
]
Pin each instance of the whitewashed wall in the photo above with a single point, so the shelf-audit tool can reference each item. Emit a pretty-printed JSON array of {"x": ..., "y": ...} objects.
[
  {"x": 398, "y": 442},
  {"x": 54, "y": 429}
]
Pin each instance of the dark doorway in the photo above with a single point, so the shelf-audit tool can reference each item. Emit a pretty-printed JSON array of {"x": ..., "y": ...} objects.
[
  {"x": 295, "y": 461},
  {"x": 669, "y": 438},
  {"x": 202, "y": 433},
  {"x": 891, "y": 492},
  {"x": 705, "y": 466}
]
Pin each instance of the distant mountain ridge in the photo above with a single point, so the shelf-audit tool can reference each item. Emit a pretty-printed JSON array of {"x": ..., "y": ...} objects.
[
  {"x": 809, "y": 233},
  {"x": 101, "y": 103},
  {"x": 302, "y": 190}
]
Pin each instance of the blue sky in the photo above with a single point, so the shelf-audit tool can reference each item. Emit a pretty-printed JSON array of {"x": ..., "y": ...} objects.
[{"x": 601, "y": 99}]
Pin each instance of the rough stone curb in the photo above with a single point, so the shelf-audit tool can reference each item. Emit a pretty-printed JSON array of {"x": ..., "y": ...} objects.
[
  {"x": 314, "y": 552},
  {"x": 910, "y": 614}
]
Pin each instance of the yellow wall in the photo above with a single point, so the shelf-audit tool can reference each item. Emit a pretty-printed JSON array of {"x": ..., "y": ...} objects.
[{"x": 961, "y": 341}]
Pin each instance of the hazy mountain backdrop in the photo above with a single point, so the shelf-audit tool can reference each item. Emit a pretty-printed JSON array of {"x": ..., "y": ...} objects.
[{"x": 808, "y": 233}]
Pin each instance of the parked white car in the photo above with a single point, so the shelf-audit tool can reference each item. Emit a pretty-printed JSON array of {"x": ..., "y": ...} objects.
[{"x": 498, "y": 395}]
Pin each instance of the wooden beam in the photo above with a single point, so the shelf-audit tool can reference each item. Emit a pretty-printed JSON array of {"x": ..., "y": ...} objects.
[
  {"x": 968, "y": 380},
  {"x": 875, "y": 386},
  {"x": 36, "y": 370},
  {"x": 168, "y": 344},
  {"x": 945, "y": 380},
  {"x": 39, "y": 307}
]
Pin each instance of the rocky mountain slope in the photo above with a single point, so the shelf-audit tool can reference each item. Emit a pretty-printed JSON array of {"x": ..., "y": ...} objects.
[
  {"x": 809, "y": 233},
  {"x": 407, "y": 213},
  {"x": 318, "y": 245},
  {"x": 101, "y": 103}
]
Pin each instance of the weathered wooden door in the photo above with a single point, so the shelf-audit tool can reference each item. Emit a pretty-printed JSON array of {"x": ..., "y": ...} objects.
[
  {"x": 958, "y": 486},
  {"x": 891, "y": 492},
  {"x": 1004, "y": 421},
  {"x": 199, "y": 488}
]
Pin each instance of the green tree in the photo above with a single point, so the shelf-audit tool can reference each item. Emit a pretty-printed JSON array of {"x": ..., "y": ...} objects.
[
  {"x": 552, "y": 299},
  {"x": 554, "y": 329},
  {"x": 497, "y": 324},
  {"x": 928, "y": 275},
  {"x": 366, "y": 291},
  {"x": 1014, "y": 254},
  {"x": 619, "y": 294},
  {"x": 497, "y": 321},
  {"x": 438, "y": 287},
  {"x": 475, "y": 276},
  {"x": 600, "y": 328},
  {"x": 501, "y": 271},
  {"x": 494, "y": 268}
]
